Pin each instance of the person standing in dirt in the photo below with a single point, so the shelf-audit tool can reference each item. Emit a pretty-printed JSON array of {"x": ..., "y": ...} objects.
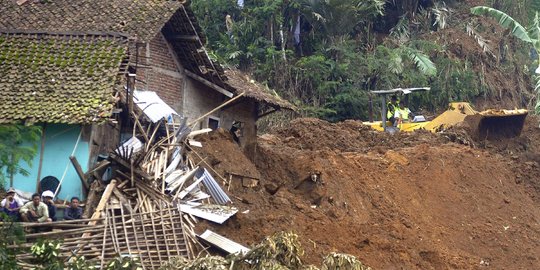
[
  {"x": 35, "y": 210},
  {"x": 392, "y": 106},
  {"x": 73, "y": 211}
]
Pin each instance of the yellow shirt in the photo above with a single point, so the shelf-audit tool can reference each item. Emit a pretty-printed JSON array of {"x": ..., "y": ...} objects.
[{"x": 402, "y": 114}]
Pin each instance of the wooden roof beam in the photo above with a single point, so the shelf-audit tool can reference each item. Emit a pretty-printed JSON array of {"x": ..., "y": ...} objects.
[
  {"x": 189, "y": 38},
  {"x": 208, "y": 83}
]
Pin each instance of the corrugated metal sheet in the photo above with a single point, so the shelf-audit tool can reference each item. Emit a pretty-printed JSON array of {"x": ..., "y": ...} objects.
[
  {"x": 214, "y": 213},
  {"x": 152, "y": 105},
  {"x": 223, "y": 243},
  {"x": 213, "y": 187}
]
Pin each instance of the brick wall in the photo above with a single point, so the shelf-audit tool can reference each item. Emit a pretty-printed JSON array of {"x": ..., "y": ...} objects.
[
  {"x": 190, "y": 97},
  {"x": 164, "y": 76},
  {"x": 245, "y": 112},
  {"x": 200, "y": 99}
]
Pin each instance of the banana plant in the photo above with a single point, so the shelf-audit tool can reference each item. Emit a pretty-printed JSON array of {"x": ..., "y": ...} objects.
[{"x": 530, "y": 35}]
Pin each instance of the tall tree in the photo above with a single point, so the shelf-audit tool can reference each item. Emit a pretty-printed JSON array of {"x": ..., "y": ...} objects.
[{"x": 19, "y": 143}]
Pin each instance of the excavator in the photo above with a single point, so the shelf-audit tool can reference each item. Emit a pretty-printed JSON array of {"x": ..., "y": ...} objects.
[{"x": 488, "y": 124}]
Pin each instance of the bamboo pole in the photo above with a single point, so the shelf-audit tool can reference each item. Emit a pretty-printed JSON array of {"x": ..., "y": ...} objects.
[
  {"x": 146, "y": 241},
  {"x": 81, "y": 230},
  {"x": 165, "y": 236},
  {"x": 132, "y": 219},
  {"x": 103, "y": 201},
  {"x": 155, "y": 235},
  {"x": 215, "y": 109},
  {"x": 102, "y": 261},
  {"x": 125, "y": 230},
  {"x": 80, "y": 173},
  {"x": 40, "y": 164},
  {"x": 174, "y": 231}
]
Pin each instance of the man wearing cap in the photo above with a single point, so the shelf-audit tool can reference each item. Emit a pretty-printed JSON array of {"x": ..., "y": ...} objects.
[
  {"x": 11, "y": 204},
  {"x": 48, "y": 200},
  {"x": 35, "y": 210}
]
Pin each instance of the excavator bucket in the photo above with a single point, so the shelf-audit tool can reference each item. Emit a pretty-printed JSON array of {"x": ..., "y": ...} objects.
[
  {"x": 496, "y": 124},
  {"x": 489, "y": 124}
]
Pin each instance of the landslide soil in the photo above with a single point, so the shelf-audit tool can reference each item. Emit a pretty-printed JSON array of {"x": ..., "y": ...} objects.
[{"x": 407, "y": 201}]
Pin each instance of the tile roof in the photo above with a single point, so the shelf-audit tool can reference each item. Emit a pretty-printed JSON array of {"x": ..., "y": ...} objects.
[
  {"x": 188, "y": 40},
  {"x": 142, "y": 20},
  {"x": 139, "y": 19},
  {"x": 60, "y": 77},
  {"x": 242, "y": 83}
]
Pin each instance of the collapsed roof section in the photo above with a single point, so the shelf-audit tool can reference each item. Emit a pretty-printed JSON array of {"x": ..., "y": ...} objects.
[
  {"x": 59, "y": 77},
  {"x": 254, "y": 90},
  {"x": 187, "y": 39}
]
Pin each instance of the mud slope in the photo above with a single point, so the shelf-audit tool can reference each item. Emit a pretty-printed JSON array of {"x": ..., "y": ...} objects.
[{"x": 412, "y": 201}]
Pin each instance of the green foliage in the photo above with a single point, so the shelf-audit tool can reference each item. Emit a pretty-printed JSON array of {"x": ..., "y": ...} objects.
[
  {"x": 422, "y": 61},
  {"x": 505, "y": 21},
  {"x": 338, "y": 261},
  {"x": 211, "y": 15},
  {"x": 340, "y": 17},
  {"x": 19, "y": 143},
  {"x": 46, "y": 255},
  {"x": 281, "y": 251},
  {"x": 10, "y": 233},
  {"x": 330, "y": 72},
  {"x": 530, "y": 35},
  {"x": 200, "y": 263},
  {"x": 123, "y": 263},
  {"x": 80, "y": 263},
  {"x": 456, "y": 81},
  {"x": 282, "y": 248}
]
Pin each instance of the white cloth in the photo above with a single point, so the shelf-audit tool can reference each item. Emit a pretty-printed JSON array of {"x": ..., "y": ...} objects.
[
  {"x": 397, "y": 114},
  {"x": 297, "y": 31},
  {"x": 19, "y": 201}
]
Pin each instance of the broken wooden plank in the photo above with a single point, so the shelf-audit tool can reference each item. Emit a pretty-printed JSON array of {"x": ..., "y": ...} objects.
[
  {"x": 102, "y": 164},
  {"x": 126, "y": 165},
  {"x": 103, "y": 201},
  {"x": 92, "y": 196},
  {"x": 80, "y": 173}
]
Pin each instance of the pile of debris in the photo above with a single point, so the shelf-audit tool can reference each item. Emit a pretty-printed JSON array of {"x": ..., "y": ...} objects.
[{"x": 144, "y": 197}]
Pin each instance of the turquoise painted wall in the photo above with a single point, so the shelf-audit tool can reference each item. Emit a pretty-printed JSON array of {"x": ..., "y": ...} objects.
[{"x": 60, "y": 140}]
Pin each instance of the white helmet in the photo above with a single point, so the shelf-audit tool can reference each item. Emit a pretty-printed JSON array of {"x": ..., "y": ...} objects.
[{"x": 47, "y": 193}]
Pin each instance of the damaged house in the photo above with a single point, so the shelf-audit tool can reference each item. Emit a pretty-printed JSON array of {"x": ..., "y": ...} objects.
[{"x": 81, "y": 68}]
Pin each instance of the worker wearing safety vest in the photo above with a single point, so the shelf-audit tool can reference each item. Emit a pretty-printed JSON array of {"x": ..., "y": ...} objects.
[
  {"x": 392, "y": 106},
  {"x": 401, "y": 115}
]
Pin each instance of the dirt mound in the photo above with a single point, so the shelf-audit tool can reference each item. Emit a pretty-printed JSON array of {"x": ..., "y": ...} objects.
[
  {"x": 223, "y": 155},
  {"x": 410, "y": 201},
  {"x": 347, "y": 136},
  {"x": 524, "y": 151}
]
